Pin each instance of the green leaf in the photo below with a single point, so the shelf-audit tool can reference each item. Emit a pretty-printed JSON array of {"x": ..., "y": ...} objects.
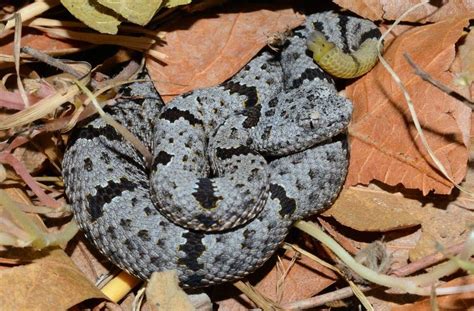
[
  {"x": 93, "y": 15},
  {"x": 139, "y": 12}
]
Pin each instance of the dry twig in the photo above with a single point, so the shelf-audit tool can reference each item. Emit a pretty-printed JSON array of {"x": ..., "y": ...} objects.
[{"x": 428, "y": 78}]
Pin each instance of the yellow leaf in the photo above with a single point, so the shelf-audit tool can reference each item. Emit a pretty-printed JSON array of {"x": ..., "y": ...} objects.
[
  {"x": 164, "y": 292},
  {"x": 173, "y": 3},
  {"x": 93, "y": 15},
  {"x": 138, "y": 12}
]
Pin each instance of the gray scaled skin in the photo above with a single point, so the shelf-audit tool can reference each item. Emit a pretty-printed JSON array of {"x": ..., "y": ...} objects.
[{"x": 234, "y": 167}]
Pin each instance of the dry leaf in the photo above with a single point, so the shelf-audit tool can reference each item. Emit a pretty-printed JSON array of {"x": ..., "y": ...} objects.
[
  {"x": 370, "y": 9},
  {"x": 441, "y": 226},
  {"x": 174, "y": 3},
  {"x": 33, "y": 159},
  {"x": 138, "y": 12},
  {"x": 460, "y": 302},
  {"x": 466, "y": 52},
  {"x": 94, "y": 15},
  {"x": 207, "y": 48},
  {"x": 51, "y": 282},
  {"x": 384, "y": 143},
  {"x": 390, "y": 10},
  {"x": 91, "y": 263},
  {"x": 305, "y": 278},
  {"x": 365, "y": 210},
  {"x": 164, "y": 292},
  {"x": 10, "y": 160}
]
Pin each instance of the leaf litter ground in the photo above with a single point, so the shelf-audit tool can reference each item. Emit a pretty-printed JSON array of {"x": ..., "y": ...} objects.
[{"x": 385, "y": 154}]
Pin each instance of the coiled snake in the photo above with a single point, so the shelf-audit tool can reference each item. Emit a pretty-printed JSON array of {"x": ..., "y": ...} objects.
[{"x": 234, "y": 165}]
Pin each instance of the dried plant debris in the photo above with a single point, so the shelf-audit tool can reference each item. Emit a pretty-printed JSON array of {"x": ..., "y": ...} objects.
[
  {"x": 105, "y": 15},
  {"x": 389, "y": 221}
]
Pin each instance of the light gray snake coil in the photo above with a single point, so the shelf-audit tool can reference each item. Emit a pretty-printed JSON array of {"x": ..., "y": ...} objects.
[{"x": 234, "y": 165}]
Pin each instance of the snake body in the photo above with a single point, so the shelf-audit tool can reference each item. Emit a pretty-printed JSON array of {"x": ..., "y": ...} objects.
[{"x": 234, "y": 166}]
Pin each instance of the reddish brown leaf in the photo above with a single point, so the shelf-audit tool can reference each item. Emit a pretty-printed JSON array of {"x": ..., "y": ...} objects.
[
  {"x": 207, "y": 48},
  {"x": 32, "y": 159},
  {"x": 305, "y": 278},
  {"x": 370, "y": 9},
  {"x": 391, "y": 10},
  {"x": 384, "y": 143}
]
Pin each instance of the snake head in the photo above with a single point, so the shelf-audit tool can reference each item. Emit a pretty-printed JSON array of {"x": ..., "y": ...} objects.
[
  {"x": 301, "y": 119},
  {"x": 323, "y": 115}
]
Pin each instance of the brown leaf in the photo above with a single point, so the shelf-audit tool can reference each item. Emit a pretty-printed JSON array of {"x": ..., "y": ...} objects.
[
  {"x": 91, "y": 263},
  {"x": 391, "y": 10},
  {"x": 51, "y": 282},
  {"x": 370, "y": 9},
  {"x": 207, "y": 48},
  {"x": 466, "y": 71},
  {"x": 384, "y": 143},
  {"x": 305, "y": 278},
  {"x": 32, "y": 159},
  {"x": 463, "y": 301},
  {"x": 440, "y": 226},
  {"x": 365, "y": 210},
  {"x": 443, "y": 221}
]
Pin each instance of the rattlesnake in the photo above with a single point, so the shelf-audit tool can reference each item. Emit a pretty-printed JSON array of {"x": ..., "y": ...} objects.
[{"x": 274, "y": 134}]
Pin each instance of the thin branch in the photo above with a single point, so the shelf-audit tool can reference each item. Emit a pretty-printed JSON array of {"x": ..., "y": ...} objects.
[
  {"x": 427, "y": 77},
  {"x": 56, "y": 63},
  {"x": 429, "y": 260}
]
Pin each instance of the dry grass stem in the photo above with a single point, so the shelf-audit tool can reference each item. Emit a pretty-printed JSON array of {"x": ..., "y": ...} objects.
[
  {"x": 409, "y": 101},
  {"x": 261, "y": 301},
  {"x": 33, "y": 9}
]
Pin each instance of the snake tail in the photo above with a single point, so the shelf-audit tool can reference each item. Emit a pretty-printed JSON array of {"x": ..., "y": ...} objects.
[{"x": 338, "y": 63}]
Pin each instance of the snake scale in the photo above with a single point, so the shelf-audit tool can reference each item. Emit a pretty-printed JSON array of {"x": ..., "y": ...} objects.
[{"x": 234, "y": 165}]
